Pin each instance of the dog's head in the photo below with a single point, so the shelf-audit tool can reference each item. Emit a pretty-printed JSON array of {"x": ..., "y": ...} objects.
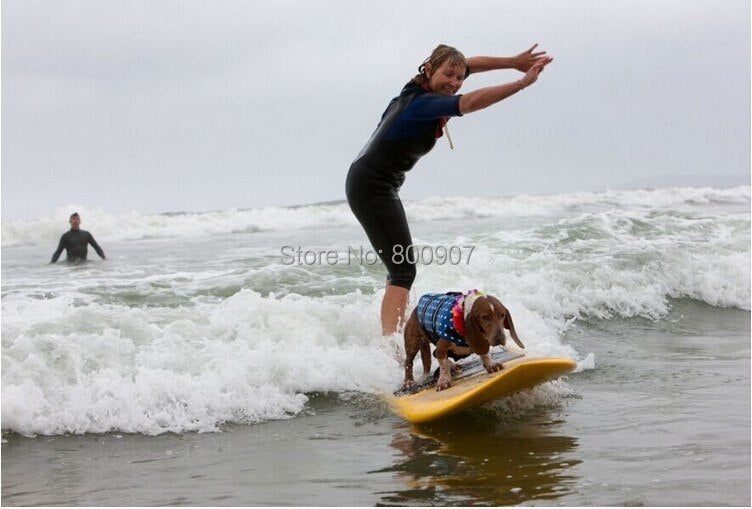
[{"x": 485, "y": 321}]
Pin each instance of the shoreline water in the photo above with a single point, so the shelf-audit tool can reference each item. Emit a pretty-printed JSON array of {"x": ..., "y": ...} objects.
[{"x": 663, "y": 419}]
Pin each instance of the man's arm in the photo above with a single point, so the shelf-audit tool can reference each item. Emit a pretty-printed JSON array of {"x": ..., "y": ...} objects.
[
  {"x": 59, "y": 250},
  {"x": 522, "y": 62},
  {"x": 96, "y": 247}
]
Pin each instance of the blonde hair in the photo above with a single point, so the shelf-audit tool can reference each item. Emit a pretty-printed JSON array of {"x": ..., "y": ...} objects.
[{"x": 441, "y": 54}]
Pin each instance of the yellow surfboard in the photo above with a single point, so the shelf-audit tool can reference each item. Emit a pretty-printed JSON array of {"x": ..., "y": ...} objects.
[{"x": 474, "y": 387}]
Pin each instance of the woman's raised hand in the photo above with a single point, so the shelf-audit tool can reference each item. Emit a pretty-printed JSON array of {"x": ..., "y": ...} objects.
[
  {"x": 525, "y": 60},
  {"x": 531, "y": 76}
]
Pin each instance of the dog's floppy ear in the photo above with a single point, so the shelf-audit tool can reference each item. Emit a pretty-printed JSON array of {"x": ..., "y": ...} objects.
[
  {"x": 509, "y": 325},
  {"x": 475, "y": 336}
]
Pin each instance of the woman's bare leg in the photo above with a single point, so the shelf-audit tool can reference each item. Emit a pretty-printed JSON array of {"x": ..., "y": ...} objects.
[{"x": 393, "y": 309}]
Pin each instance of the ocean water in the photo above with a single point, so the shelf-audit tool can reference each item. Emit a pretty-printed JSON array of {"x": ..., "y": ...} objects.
[{"x": 244, "y": 347}]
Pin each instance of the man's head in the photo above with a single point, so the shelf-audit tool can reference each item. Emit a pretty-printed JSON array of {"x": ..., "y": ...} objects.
[{"x": 75, "y": 221}]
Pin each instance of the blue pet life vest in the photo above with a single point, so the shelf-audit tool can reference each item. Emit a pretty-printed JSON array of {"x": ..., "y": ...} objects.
[{"x": 436, "y": 313}]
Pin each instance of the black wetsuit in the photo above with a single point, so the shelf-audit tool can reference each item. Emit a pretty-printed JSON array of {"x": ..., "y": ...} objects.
[
  {"x": 75, "y": 242},
  {"x": 407, "y": 131}
]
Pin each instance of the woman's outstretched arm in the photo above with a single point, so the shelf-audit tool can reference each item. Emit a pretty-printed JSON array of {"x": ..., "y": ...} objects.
[
  {"x": 522, "y": 62},
  {"x": 484, "y": 97}
]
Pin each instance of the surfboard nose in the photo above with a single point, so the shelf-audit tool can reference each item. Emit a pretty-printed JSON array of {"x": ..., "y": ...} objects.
[{"x": 478, "y": 389}]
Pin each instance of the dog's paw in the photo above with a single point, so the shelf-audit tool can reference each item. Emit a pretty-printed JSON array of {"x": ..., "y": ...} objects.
[
  {"x": 444, "y": 382},
  {"x": 492, "y": 368},
  {"x": 408, "y": 385},
  {"x": 456, "y": 368}
]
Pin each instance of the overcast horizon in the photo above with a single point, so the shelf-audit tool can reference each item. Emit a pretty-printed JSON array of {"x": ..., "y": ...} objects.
[{"x": 189, "y": 106}]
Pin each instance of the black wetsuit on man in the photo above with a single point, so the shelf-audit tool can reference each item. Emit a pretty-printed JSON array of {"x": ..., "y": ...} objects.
[
  {"x": 407, "y": 131},
  {"x": 75, "y": 242}
]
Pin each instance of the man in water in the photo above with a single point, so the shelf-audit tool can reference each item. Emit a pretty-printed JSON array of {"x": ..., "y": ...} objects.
[{"x": 75, "y": 241}]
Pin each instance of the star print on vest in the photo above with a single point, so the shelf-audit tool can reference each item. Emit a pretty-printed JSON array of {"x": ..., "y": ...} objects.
[{"x": 442, "y": 315}]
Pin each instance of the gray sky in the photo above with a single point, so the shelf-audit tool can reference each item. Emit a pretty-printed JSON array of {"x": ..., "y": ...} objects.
[{"x": 159, "y": 105}]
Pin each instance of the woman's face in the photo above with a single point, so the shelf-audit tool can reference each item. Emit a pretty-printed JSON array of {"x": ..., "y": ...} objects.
[{"x": 447, "y": 79}]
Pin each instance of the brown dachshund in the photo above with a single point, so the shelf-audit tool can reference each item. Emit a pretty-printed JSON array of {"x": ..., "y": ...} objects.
[{"x": 458, "y": 325}]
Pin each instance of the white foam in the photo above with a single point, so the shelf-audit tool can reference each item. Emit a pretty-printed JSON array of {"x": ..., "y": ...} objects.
[
  {"x": 585, "y": 364},
  {"x": 608, "y": 264},
  {"x": 108, "y": 226},
  {"x": 550, "y": 394},
  {"x": 248, "y": 359},
  {"x": 75, "y": 361}
]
